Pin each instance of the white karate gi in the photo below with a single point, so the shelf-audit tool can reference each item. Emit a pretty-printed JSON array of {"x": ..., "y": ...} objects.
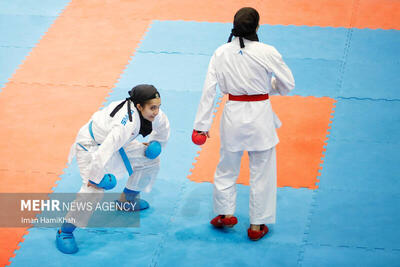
[
  {"x": 113, "y": 133},
  {"x": 256, "y": 69}
]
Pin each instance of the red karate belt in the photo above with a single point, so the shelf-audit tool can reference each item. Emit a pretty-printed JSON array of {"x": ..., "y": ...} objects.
[{"x": 248, "y": 98}]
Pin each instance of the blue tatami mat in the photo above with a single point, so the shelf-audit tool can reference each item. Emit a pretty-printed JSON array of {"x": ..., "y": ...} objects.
[
  {"x": 185, "y": 37},
  {"x": 372, "y": 65},
  {"x": 22, "y": 25},
  {"x": 23, "y": 30},
  {"x": 32, "y": 7},
  {"x": 177, "y": 72},
  {"x": 97, "y": 247},
  {"x": 10, "y": 59},
  {"x": 376, "y": 80},
  {"x": 361, "y": 166},
  {"x": 328, "y": 256},
  {"x": 220, "y": 247},
  {"x": 355, "y": 206},
  {"x": 366, "y": 121},
  {"x": 325, "y": 61},
  {"x": 206, "y": 253},
  {"x": 204, "y": 38},
  {"x": 356, "y": 219},
  {"x": 196, "y": 210},
  {"x": 315, "y": 77},
  {"x": 374, "y": 46},
  {"x": 304, "y": 41}
]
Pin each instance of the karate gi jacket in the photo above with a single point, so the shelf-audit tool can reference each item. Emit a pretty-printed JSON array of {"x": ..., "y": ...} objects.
[
  {"x": 112, "y": 133},
  {"x": 258, "y": 68}
]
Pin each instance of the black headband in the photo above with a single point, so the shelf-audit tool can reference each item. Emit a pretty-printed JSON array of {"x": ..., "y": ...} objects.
[
  {"x": 138, "y": 95},
  {"x": 245, "y": 25}
]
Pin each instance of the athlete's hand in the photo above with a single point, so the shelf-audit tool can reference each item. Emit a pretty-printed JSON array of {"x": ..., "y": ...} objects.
[
  {"x": 93, "y": 185},
  {"x": 204, "y": 133},
  {"x": 199, "y": 137}
]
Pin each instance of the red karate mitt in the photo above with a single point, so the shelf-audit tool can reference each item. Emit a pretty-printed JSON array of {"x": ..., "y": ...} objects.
[{"x": 198, "y": 138}]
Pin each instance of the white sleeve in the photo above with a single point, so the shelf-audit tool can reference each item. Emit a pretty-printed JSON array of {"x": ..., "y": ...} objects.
[
  {"x": 283, "y": 82},
  {"x": 274, "y": 90},
  {"x": 204, "y": 114},
  {"x": 160, "y": 131},
  {"x": 115, "y": 139}
]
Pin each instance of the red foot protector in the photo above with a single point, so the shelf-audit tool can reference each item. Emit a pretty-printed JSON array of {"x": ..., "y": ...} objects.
[
  {"x": 221, "y": 222},
  {"x": 256, "y": 235},
  {"x": 198, "y": 138}
]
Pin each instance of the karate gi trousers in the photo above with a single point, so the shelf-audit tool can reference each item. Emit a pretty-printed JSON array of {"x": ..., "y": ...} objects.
[
  {"x": 142, "y": 179},
  {"x": 263, "y": 183}
]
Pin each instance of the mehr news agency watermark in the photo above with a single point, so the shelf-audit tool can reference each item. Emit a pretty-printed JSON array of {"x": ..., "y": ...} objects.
[{"x": 21, "y": 210}]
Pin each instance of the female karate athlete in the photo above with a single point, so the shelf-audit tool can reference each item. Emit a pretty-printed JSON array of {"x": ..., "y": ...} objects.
[
  {"x": 106, "y": 145},
  {"x": 248, "y": 71}
]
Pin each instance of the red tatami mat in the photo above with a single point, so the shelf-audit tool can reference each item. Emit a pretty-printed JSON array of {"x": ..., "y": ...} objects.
[
  {"x": 302, "y": 138},
  {"x": 373, "y": 14}
]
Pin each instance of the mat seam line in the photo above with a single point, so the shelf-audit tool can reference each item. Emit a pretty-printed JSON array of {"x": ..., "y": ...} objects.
[
  {"x": 349, "y": 37},
  {"x": 352, "y": 247},
  {"x": 340, "y": 86},
  {"x": 157, "y": 252}
]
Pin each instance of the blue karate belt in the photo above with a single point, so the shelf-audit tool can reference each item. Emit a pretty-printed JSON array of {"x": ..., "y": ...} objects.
[{"x": 121, "y": 151}]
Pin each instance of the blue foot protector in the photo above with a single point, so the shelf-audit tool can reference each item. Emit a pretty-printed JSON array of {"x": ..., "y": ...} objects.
[
  {"x": 66, "y": 242},
  {"x": 134, "y": 203},
  {"x": 130, "y": 195},
  {"x": 108, "y": 182},
  {"x": 137, "y": 205},
  {"x": 67, "y": 227}
]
